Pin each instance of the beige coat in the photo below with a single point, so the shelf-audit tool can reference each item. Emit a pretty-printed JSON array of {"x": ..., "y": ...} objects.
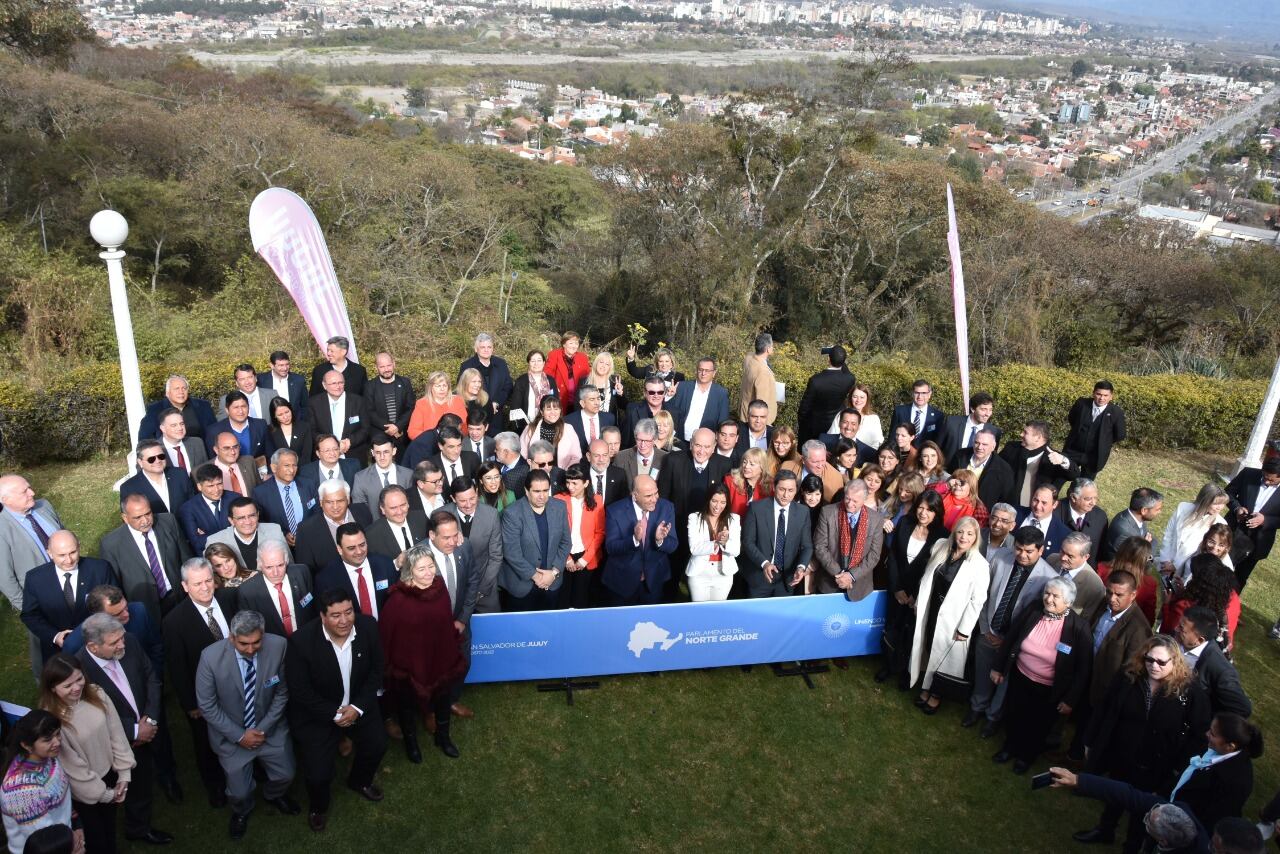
[
  {"x": 757, "y": 384},
  {"x": 92, "y": 744}
]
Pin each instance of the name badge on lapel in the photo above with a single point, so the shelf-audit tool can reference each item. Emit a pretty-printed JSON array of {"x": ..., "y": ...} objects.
[
  {"x": 311, "y": 503},
  {"x": 354, "y": 419},
  {"x": 1064, "y": 648},
  {"x": 305, "y": 601},
  {"x": 381, "y": 585},
  {"x": 274, "y": 680}
]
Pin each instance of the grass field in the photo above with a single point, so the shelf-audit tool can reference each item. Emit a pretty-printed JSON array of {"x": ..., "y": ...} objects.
[{"x": 692, "y": 761}]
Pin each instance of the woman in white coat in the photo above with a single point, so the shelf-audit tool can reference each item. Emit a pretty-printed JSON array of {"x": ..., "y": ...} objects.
[
  {"x": 1186, "y": 529},
  {"x": 715, "y": 541},
  {"x": 952, "y": 593}
]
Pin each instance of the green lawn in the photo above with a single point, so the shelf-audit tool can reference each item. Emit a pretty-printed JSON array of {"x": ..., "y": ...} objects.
[{"x": 698, "y": 760}]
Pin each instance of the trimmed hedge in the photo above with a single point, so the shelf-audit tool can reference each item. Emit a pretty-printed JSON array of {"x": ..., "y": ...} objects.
[{"x": 82, "y": 412}]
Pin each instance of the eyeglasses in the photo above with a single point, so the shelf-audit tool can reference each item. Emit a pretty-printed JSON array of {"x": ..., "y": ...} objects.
[
  {"x": 544, "y": 465},
  {"x": 651, "y": 392},
  {"x": 1149, "y": 659},
  {"x": 153, "y": 459}
]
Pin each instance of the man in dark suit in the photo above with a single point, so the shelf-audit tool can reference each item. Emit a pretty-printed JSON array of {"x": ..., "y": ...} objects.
[
  {"x": 506, "y": 450},
  {"x": 390, "y": 401},
  {"x": 1145, "y": 505},
  {"x": 281, "y": 592},
  {"x": 317, "y": 547},
  {"x": 1096, "y": 425},
  {"x": 366, "y": 578},
  {"x": 286, "y": 384},
  {"x": 196, "y": 412},
  {"x": 995, "y": 477},
  {"x": 286, "y": 499},
  {"x": 482, "y": 533},
  {"x": 1197, "y": 633},
  {"x": 655, "y": 396},
  {"x": 959, "y": 431},
  {"x": 253, "y": 434},
  {"x": 1035, "y": 464},
  {"x": 334, "y": 672},
  {"x": 115, "y": 662},
  {"x": 1080, "y": 512},
  {"x": 426, "y": 495},
  {"x": 849, "y": 424},
  {"x": 775, "y": 562},
  {"x": 206, "y": 512},
  {"x": 452, "y": 460},
  {"x": 147, "y": 553},
  {"x": 243, "y": 698},
  {"x": 824, "y": 395},
  {"x": 258, "y": 397},
  {"x": 608, "y": 481},
  {"x": 1254, "y": 515},
  {"x": 343, "y": 415},
  {"x": 927, "y": 418},
  {"x": 110, "y": 600},
  {"x": 533, "y": 565},
  {"x": 165, "y": 488},
  {"x": 53, "y": 594},
  {"x": 847, "y": 544},
  {"x": 399, "y": 527},
  {"x": 587, "y": 421},
  {"x": 185, "y": 453},
  {"x": 640, "y": 536},
  {"x": 354, "y": 376},
  {"x": 700, "y": 403},
  {"x": 455, "y": 565},
  {"x": 496, "y": 375},
  {"x": 329, "y": 463},
  {"x": 1119, "y": 630},
  {"x": 195, "y": 624},
  {"x": 1040, "y": 516},
  {"x": 685, "y": 479},
  {"x": 756, "y": 431},
  {"x": 477, "y": 440},
  {"x": 727, "y": 442}
]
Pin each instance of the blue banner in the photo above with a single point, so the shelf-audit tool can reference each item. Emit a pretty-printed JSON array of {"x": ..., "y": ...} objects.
[{"x": 646, "y": 638}]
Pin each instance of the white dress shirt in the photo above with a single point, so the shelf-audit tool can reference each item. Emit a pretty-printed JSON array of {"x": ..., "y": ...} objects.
[
  {"x": 1264, "y": 495},
  {"x": 342, "y": 649},
  {"x": 697, "y": 406},
  {"x": 172, "y": 452},
  {"x": 280, "y": 385},
  {"x": 218, "y": 616},
  {"x": 447, "y": 567},
  {"x": 162, "y": 489},
  {"x": 355, "y": 579}
]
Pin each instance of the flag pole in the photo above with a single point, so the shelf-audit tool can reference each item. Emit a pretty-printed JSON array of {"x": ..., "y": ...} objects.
[{"x": 958, "y": 299}]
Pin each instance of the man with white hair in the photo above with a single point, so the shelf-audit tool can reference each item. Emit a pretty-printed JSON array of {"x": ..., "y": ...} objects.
[
  {"x": 1080, "y": 512},
  {"x": 344, "y": 414},
  {"x": 317, "y": 536},
  {"x": 281, "y": 591},
  {"x": 195, "y": 411},
  {"x": 495, "y": 374},
  {"x": 506, "y": 450},
  {"x": 189, "y": 629},
  {"x": 848, "y": 543},
  {"x": 814, "y": 461}
]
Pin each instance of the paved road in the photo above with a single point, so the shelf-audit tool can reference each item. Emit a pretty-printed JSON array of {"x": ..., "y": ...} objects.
[{"x": 1126, "y": 187}]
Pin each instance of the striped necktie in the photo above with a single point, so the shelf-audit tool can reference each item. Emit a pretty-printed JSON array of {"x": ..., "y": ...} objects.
[{"x": 250, "y": 694}]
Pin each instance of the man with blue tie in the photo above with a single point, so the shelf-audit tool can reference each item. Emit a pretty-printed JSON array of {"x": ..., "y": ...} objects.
[
  {"x": 776, "y": 543},
  {"x": 206, "y": 512},
  {"x": 53, "y": 601},
  {"x": 286, "y": 499},
  {"x": 26, "y": 523},
  {"x": 640, "y": 534},
  {"x": 926, "y": 418}
]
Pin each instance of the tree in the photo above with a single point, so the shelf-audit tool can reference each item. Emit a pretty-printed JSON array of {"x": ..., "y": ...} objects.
[
  {"x": 674, "y": 106},
  {"x": 42, "y": 29},
  {"x": 1079, "y": 68},
  {"x": 1262, "y": 191},
  {"x": 627, "y": 113},
  {"x": 416, "y": 97},
  {"x": 968, "y": 165},
  {"x": 1114, "y": 88},
  {"x": 936, "y": 135},
  {"x": 1100, "y": 109}
]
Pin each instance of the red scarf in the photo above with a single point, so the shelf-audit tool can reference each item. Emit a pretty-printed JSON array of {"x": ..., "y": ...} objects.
[{"x": 853, "y": 548}]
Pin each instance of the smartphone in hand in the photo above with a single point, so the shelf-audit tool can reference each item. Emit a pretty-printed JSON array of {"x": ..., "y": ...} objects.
[{"x": 1042, "y": 781}]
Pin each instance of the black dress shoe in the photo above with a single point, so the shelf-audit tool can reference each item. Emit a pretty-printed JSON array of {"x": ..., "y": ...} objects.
[
  {"x": 1096, "y": 836},
  {"x": 989, "y": 728},
  {"x": 446, "y": 745},
  {"x": 1020, "y": 767},
  {"x": 370, "y": 792},
  {"x": 152, "y": 837},
  {"x": 1001, "y": 757},
  {"x": 881, "y": 675},
  {"x": 921, "y": 701},
  {"x": 930, "y": 710},
  {"x": 172, "y": 791},
  {"x": 317, "y": 821},
  {"x": 239, "y": 825},
  {"x": 412, "y": 750},
  {"x": 971, "y": 717},
  {"x": 217, "y": 800},
  {"x": 285, "y": 805}
]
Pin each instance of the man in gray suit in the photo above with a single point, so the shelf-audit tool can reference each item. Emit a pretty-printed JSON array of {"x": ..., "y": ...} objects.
[
  {"x": 369, "y": 482},
  {"x": 246, "y": 533},
  {"x": 770, "y": 567},
  {"x": 147, "y": 552},
  {"x": 26, "y": 523},
  {"x": 1018, "y": 577},
  {"x": 1145, "y": 505},
  {"x": 847, "y": 544},
  {"x": 1073, "y": 562},
  {"x": 241, "y": 690},
  {"x": 482, "y": 532},
  {"x": 533, "y": 566},
  {"x": 643, "y": 458},
  {"x": 259, "y": 397}
]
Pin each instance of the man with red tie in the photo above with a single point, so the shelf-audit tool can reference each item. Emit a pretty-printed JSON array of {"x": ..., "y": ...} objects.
[
  {"x": 239, "y": 472},
  {"x": 366, "y": 577},
  {"x": 281, "y": 591}
]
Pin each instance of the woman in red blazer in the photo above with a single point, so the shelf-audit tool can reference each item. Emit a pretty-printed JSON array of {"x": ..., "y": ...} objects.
[
  {"x": 568, "y": 367},
  {"x": 749, "y": 482},
  {"x": 586, "y": 530}
]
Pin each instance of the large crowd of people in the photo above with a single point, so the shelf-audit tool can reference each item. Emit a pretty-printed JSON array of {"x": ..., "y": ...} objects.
[{"x": 298, "y": 568}]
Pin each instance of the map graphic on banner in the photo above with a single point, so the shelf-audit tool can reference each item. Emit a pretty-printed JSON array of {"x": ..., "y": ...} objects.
[{"x": 288, "y": 237}]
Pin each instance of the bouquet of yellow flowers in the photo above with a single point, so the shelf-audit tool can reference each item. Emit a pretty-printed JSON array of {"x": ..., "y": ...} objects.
[{"x": 636, "y": 333}]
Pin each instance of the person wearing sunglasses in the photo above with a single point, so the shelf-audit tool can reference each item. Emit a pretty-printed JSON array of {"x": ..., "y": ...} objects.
[
  {"x": 165, "y": 488},
  {"x": 647, "y": 407},
  {"x": 1151, "y": 722}
]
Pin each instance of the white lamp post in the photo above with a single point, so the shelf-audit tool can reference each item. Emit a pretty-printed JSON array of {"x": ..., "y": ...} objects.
[{"x": 111, "y": 230}]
